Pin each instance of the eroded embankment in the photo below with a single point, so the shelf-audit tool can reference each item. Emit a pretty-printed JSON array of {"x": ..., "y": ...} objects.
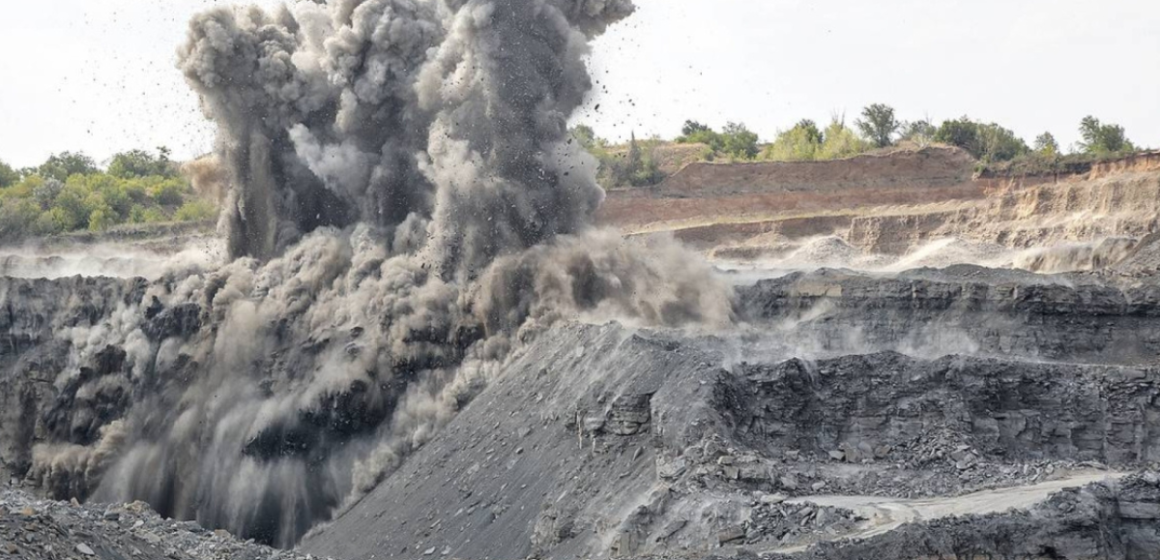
[
  {"x": 1125, "y": 203},
  {"x": 749, "y": 193}
]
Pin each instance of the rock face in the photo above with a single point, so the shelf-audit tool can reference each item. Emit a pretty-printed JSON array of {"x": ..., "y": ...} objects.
[
  {"x": 36, "y": 317},
  {"x": 964, "y": 309},
  {"x": 543, "y": 464},
  {"x": 890, "y": 406}
]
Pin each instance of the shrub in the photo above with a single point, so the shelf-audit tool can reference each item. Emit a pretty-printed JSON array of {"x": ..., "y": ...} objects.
[
  {"x": 796, "y": 144},
  {"x": 102, "y": 217},
  {"x": 195, "y": 210},
  {"x": 987, "y": 142},
  {"x": 17, "y": 217},
  {"x": 167, "y": 193},
  {"x": 66, "y": 164},
  {"x": 8, "y": 175},
  {"x": 68, "y": 193},
  {"x": 1046, "y": 146},
  {"x": 841, "y": 142},
  {"x": 139, "y": 163},
  {"x": 804, "y": 142}
]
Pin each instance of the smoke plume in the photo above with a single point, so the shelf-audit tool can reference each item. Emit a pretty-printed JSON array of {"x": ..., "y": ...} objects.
[{"x": 403, "y": 206}]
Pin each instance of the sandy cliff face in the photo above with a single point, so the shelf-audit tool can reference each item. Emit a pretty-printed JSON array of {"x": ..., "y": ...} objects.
[{"x": 1076, "y": 209}]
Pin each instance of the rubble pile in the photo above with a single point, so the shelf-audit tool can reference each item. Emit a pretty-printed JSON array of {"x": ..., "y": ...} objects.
[{"x": 33, "y": 529}]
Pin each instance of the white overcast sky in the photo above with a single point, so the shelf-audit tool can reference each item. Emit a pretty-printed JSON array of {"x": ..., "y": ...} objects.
[{"x": 98, "y": 75}]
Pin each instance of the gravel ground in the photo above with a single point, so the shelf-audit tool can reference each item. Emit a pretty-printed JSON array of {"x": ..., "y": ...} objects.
[{"x": 32, "y": 529}]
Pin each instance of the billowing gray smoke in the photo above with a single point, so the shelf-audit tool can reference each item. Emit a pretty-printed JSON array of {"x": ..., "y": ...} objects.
[
  {"x": 404, "y": 207},
  {"x": 451, "y": 114}
]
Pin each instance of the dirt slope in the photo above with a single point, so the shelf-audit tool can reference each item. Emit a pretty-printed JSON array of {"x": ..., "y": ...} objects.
[{"x": 896, "y": 203}]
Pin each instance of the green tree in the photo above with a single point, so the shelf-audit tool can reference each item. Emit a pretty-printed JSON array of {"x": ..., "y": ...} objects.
[
  {"x": 72, "y": 206},
  {"x": 1046, "y": 146},
  {"x": 987, "y": 142},
  {"x": 800, "y": 143},
  {"x": 45, "y": 191},
  {"x": 839, "y": 141},
  {"x": 17, "y": 215},
  {"x": 811, "y": 130},
  {"x": 585, "y": 136},
  {"x": 102, "y": 217},
  {"x": 963, "y": 133},
  {"x": 66, "y": 164},
  {"x": 8, "y": 175},
  {"x": 921, "y": 132},
  {"x": 1103, "y": 139},
  {"x": 167, "y": 193},
  {"x": 632, "y": 160},
  {"x": 738, "y": 141},
  {"x": 140, "y": 163},
  {"x": 47, "y": 224},
  {"x": 693, "y": 127},
  {"x": 878, "y": 124},
  {"x": 1000, "y": 144}
]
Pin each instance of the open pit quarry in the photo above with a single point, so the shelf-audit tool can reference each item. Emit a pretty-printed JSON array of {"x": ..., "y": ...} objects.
[{"x": 420, "y": 330}]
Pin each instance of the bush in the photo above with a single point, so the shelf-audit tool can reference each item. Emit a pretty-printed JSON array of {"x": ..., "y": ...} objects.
[
  {"x": 48, "y": 224},
  {"x": 840, "y": 142},
  {"x": 804, "y": 142},
  {"x": 102, "y": 217},
  {"x": 167, "y": 193},
  {"x": 8, "y": 176},
  {"x": 987, "y": 142},
  {"x": 67, "y": 164},
  {"x": 195, "y": 210},
  {"x": 799, "y": 143},
  {"x": 734, "y": 141},
  {"x": 17, "y": 217},
  {"x": 139, "y": 163},
  {"x": 68, "y": 193},
  {"x": 1046, "y": 146}
]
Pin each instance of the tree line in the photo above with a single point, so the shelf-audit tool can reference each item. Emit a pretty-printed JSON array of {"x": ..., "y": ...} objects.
[
  {"x": 877, "y": 127},
  {"x": 70, "y": 192}
]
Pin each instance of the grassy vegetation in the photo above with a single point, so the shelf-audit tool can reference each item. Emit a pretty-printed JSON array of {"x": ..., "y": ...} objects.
[
  {"x": 69, "y": 192},
  {"x": 998, "y": 149},
  {"x": 1036, "y": 163}
]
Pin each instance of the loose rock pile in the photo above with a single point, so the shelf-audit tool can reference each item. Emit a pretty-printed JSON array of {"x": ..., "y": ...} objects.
[{"x": 32, "y": 529}]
